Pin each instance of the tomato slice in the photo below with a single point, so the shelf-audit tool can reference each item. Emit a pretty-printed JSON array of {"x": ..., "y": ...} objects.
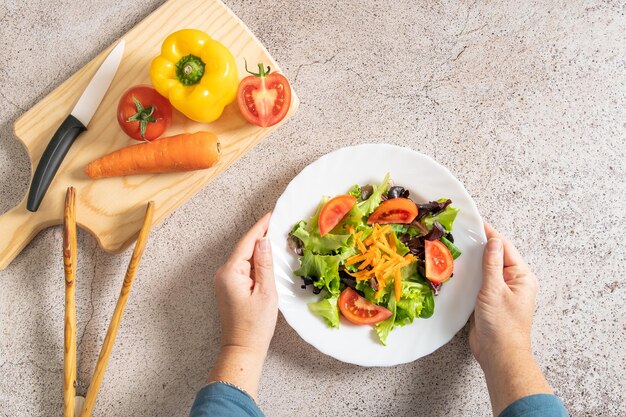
[
  {"x": 146, "y": 119},
  {"x": 333, "y": 211},
  {"x": 394, "y": 210},
  {"x": 439, "y": 261},
  {"x": 264, "y": 98},
  {"x": 358, "y": 310}
]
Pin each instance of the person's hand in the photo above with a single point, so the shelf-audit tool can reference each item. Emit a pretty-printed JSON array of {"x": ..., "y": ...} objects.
[
  {"x": 502, "y": 319},
  {"x": 246, "y": 292},
  {"x": 248, "y": 307},
  {"x": 499, "y": 333}
]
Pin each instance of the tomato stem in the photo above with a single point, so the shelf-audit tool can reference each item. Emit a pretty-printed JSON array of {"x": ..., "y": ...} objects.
[
  {"x": 143, "y": 116},
  {"x": 262, "y": 72}
]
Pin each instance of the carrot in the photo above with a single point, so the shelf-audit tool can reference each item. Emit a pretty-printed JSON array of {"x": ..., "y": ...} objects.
[{"x": 186, "y": 152}]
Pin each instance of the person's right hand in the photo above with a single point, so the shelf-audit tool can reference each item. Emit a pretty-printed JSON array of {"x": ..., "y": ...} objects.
[
  {"x": 246, "y": 292},
  {"x": 499, "y": 334},
  {"x": 248, "y": 306},
  {"x": 502, "y": 319}
]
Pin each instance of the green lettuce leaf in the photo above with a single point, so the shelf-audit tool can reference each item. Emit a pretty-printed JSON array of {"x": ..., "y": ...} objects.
[
  {"x": 300, "y": 224},
  {"x": 326, "y": 309},
  {"x": 323, "y": 267},
  {"x": 454, "y": 250},
  {"x": 429, "y": 305},
  {"x": 445, "y": 218},
  {"x": 355, "y": 191},
  {"x": 384, "y": 327},
  {"x": 416, "y": 276},
  {"x": 366, "y": 289},
  {"x": 413, "y": 302},
  {"x": 353, "y": 218},
  {"x": 369, "y": 205},
  {"x": 315, "y": 243},
  {"x": 400, "y": 247},
  {"x": 409, "y": 272},
  {"x": 346, "y": 252},
  {"x": 405, "y": 228}
]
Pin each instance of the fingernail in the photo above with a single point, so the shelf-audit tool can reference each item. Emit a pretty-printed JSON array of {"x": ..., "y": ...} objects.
[
  {"x": 494, "y": 245},
  {"x": 264, "y": 245}
]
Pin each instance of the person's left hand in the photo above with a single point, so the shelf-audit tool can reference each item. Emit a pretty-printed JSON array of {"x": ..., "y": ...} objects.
[{"x": 246, "y": 293}]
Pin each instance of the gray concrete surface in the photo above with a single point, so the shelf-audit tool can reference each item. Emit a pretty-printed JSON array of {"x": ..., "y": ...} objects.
[{"x": 525, "y": 102}]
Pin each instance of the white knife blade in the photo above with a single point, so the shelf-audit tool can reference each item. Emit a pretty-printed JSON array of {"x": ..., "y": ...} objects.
[{"x": 96, "y": 89}]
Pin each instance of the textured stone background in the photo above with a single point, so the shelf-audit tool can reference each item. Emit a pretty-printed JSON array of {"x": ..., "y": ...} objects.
[{"x": 525, "y": 102}]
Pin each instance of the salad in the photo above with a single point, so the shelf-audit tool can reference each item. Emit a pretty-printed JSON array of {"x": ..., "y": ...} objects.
[{"x": 376, "y": 256}]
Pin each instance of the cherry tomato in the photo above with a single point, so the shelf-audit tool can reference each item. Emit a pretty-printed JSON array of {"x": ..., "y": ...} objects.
[
  {"x": 439, "y": 261},
  {"x": 358, "y": 310},
  {"x": 264, "y": 98},
  {"x": 394, "y": 210},
  {"x": 333, "y": 211},
  {"x": 143, "y": 114}
]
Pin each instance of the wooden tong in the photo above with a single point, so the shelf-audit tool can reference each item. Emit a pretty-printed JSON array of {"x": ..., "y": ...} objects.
[
  {"x": 69, "y": 257},
  {"x": 69, "y": 266}
]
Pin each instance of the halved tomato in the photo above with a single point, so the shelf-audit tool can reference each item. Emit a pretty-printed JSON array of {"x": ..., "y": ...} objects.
[
  {"x": 358, "y": 310},
  {"x": 333, "y": 211},
  {"x": 394, "y": 210},
  {"x": 264, "y": 98},
  {"x": 439, "y": 262}
]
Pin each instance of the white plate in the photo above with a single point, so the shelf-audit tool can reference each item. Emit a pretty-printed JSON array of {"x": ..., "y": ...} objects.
[{"x": 334, "y": 174}]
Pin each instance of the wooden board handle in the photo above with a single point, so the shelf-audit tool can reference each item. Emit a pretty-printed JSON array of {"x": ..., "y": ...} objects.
[{"x": 18, "y": 226}]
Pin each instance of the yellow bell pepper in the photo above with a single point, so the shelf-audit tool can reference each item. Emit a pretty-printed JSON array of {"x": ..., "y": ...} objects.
[{"x": 196, "y": 73}]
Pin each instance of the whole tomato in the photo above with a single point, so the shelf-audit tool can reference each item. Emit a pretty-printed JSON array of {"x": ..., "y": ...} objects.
[{"x": 143, "y": 114}]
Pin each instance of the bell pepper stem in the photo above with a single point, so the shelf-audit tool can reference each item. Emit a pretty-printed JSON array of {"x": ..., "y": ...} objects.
[{"x": 189, "y": 70}]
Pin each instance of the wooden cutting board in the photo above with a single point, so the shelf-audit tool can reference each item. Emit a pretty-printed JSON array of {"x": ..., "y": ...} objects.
[{"x": 112, "y": 209}]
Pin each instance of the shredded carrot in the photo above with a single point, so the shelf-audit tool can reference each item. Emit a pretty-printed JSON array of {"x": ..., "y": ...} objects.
[
  {"x": 361, "y": 246},
  {"x": 397, "y": 284},
  {"x": 356, "y": 258},
  {"x": 387, "y": 250},
  {"x": 378, "y": 258},
  {"x": 366, "y": 263}
]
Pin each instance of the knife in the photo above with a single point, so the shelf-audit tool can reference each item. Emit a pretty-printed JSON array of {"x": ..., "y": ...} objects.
[{"x": 72, "y": 126}]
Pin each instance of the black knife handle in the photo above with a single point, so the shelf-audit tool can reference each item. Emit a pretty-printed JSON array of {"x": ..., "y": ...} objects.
[{"x": 51, "y": 160}]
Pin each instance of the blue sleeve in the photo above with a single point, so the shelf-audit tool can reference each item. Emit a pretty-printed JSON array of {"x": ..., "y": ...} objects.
[
  {"x": 538, "y": 405},
  {"x": 222, "y": 400}
]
